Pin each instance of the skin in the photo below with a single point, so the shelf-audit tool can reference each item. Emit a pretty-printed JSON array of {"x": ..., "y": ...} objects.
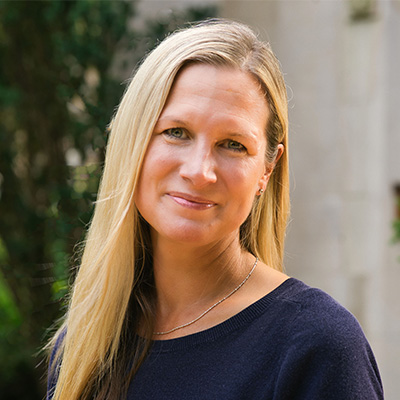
[{"x": 203, "y": 169}]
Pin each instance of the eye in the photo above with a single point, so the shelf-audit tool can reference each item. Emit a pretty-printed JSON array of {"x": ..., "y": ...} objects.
[
  {"x": 235, "y": 146},
  {"x": 175, "y": 133}
]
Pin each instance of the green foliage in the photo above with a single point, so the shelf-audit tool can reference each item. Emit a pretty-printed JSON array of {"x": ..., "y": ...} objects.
[
  {"x": 56, "y": 94},
  {"x": 396, "y": 227},
  {"x": 61, "y": 67}
]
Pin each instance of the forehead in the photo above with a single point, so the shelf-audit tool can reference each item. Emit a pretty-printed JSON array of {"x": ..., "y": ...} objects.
[
  {"x": 207, "y": 88},
  {"x": 228, "y": 78}
]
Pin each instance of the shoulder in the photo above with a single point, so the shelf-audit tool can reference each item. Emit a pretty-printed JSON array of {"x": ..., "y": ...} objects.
[
  {"x": 314, "y": 310},
  {"x": 319, "y": 313},
  {"x": 320, "y": 322},
  {"x": 325, "y": 347},
  {"x": 55, "y": 363}
]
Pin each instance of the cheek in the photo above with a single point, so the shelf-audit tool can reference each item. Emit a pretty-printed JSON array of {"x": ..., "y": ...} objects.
[
  {"x": 156, "y": 164},
  {"x": 148, "y": 175},
  {"x": 246, "y": 177},
  {"x": 242, "y": 192}
]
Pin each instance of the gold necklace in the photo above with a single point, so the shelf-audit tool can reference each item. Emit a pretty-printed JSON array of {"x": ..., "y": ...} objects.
[{"x": 213, "y": 306}]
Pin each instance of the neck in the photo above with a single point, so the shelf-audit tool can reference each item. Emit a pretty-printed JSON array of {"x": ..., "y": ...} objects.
[{"x": 189, "y": 279}]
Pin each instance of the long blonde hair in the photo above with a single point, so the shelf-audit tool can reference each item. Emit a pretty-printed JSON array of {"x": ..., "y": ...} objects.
[{"x": 113, "y": 288}]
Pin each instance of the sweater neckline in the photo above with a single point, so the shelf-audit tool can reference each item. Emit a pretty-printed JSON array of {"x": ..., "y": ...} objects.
[{"x": 244, "y": 317}]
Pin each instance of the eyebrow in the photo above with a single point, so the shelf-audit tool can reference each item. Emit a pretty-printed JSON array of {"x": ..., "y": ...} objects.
[{"x": 171, "y": 119}]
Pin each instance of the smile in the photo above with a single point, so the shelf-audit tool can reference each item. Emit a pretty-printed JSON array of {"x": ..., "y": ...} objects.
[{"x": 189, "y": 201}]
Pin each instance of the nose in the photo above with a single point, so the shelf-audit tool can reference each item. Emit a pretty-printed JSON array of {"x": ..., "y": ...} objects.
[{"x": 198, "y": 165}]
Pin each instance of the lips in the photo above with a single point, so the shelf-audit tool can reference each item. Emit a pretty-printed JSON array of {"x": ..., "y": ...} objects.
[{"x": 189, "y": 201}]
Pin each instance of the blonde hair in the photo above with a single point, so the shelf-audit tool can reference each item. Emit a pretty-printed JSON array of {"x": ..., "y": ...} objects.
[{"x": 113, "y": 290}]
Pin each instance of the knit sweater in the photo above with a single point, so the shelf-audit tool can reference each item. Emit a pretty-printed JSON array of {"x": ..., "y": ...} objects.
[{"x": 294, "y": 343}]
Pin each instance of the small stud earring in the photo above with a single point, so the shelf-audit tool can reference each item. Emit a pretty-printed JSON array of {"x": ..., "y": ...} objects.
[{"x": 261, "y": 191}]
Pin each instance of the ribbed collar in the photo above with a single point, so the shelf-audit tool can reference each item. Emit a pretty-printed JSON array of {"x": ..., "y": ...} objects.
[{"x": 244, "y": 317}]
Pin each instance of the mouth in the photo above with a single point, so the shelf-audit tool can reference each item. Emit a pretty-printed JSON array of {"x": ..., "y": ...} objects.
[{"x": 188, "y": 201}]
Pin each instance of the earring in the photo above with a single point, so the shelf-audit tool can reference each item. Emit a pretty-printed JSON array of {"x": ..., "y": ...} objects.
[{"x": 261, "y": 191}]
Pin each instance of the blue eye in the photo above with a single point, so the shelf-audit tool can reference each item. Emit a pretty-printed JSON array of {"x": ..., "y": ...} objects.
[{"x": 235, "y": 146}]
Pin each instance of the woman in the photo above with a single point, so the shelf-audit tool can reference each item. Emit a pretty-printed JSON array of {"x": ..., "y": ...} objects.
[{"x": 181, "y": 294}]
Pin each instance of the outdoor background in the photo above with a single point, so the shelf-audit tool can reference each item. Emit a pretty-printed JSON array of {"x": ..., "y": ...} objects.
[{"x": 63, "y": 69}]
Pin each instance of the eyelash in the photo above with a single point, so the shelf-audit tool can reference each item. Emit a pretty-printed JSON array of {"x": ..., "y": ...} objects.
[
  {"x": 240, "y": 149},
  {"x": 168, "y": 132}
]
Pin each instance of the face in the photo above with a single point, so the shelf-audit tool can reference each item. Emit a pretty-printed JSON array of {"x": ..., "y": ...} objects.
[{"x": 206, "y": 159}]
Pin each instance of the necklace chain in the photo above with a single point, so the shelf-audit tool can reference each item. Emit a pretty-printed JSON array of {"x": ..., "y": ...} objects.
[{"x": 213, "y": 306}]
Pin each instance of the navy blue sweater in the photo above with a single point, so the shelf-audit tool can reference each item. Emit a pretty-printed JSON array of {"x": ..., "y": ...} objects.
[{"x": 294, "y": 343}]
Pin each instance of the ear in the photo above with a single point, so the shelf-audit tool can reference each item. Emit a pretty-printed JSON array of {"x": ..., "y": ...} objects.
[{"x": 269, "y": 167}]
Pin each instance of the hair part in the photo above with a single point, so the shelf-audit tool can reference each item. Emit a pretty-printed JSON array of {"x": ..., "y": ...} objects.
[{"x": 113, "y": 296}]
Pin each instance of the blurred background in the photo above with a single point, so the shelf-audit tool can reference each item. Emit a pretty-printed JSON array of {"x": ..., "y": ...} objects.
[{"x": 61, "y": 68}]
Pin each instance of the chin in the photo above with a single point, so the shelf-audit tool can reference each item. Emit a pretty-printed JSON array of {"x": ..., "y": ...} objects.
[{"x": 195, "y": 233}]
